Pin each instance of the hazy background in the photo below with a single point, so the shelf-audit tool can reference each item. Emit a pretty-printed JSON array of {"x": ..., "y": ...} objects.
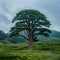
[{"x": 8, "y": 9}]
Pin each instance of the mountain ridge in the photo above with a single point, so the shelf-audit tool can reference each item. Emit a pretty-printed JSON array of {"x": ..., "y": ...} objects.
[{"x": 4, "y": 37}]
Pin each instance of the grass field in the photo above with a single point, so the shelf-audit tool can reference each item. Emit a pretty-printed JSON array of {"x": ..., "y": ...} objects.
[{"x": 42, "y": 51}]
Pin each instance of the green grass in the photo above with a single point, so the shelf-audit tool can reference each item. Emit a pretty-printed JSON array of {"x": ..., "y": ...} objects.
[{"x": 42, "y": 51}]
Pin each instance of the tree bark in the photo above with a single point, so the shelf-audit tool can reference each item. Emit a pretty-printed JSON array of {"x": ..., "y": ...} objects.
[{"x": 30, "y": 41}]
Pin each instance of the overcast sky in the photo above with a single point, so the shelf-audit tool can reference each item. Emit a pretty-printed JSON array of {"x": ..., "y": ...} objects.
[{"x": 8, "y": 9}]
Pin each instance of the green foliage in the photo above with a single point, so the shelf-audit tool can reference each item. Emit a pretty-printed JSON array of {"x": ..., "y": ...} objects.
[{"x": 32, "y": 22}]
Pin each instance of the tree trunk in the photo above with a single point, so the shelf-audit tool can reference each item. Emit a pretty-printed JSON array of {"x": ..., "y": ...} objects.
[{"x": 30, "y": 42}]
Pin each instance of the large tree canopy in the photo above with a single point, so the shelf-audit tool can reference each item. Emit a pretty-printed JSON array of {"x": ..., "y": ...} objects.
[{"x": 32, "y": 23}]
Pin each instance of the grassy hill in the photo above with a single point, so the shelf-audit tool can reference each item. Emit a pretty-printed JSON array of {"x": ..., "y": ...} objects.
[{"x": 42, "y": 51}]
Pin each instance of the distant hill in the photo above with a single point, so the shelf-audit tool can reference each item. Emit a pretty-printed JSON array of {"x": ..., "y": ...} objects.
[
  {"x": 55, "y": 35},
  {"x": 4, "y": 37}
]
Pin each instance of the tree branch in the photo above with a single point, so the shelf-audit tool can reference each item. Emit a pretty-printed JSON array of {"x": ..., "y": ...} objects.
[{"x": 24, "y": 36}]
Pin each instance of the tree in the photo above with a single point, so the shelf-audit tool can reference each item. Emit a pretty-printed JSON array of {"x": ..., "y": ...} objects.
[{"x": 32, "y": 23}]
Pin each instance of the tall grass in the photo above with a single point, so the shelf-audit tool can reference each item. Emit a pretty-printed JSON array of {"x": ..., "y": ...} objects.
[{"x": 42, "y": 51}]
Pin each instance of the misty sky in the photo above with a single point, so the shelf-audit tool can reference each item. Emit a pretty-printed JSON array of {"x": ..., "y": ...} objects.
[{"x": 8, "y": 9}]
